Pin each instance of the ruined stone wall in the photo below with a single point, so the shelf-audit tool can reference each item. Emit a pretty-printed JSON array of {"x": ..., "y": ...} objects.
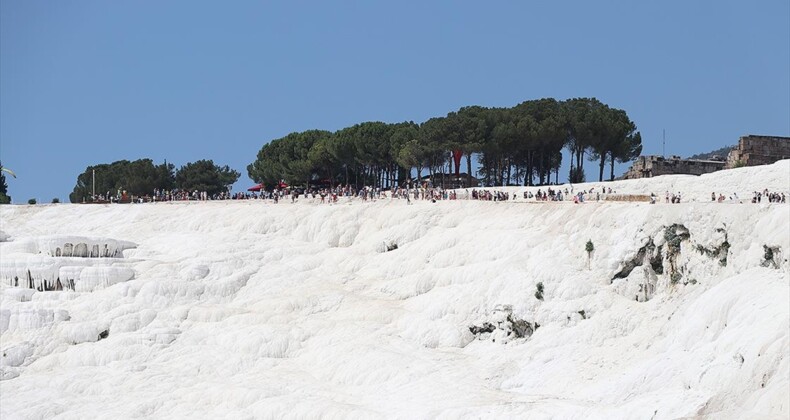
[
  {"x": 650, "y": 166},
  {"x": 759, "y": 150},
  {"x": 631, "y": 198},
  {"x": 751, "y": 151}
]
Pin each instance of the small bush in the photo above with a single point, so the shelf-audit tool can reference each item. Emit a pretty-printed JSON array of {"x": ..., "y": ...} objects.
[
  {"x": 768, "y": 254},
  {"x": 31, "y": 201},
  {"x": 55, "y": 200},
  {"x": 675, "y": 277},
  {"x": 539, "y": 292},
  {"x": 723, "y": 250},
  {"x": 589, "y": 248}
]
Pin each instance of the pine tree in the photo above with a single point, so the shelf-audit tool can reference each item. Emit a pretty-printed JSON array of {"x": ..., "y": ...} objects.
[
  {"x": 589, "y": 247},
  {"x": 4, "y": 198}
]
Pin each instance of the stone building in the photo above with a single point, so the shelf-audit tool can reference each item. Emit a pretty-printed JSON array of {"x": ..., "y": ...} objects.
[
  {"x": 650, "y": 166},
  {"x": 759, "y": 150},
  {"x": 751, "y": 151}
]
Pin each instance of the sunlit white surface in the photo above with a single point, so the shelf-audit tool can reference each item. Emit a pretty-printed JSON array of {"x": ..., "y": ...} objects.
[{"x": 256, "y": 310}]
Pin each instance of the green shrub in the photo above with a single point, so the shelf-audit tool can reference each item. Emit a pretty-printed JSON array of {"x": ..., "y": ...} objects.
[
  {"x": 675, "y": 277},
  {"x": 768, "y": 254},
  {"x": 55, "y": 200},
  {"x": 589, "y": 248},
  {"x": 539, "y": 292},
  {"x": 31, "y": 201}
]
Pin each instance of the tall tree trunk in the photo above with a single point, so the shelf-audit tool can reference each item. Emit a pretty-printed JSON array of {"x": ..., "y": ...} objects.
[
  {"x": 501, "y": 171},
  {"x": 490, "y": 164},
  {"x": 601, "y": 166},
  {"x": 516, "y": 175},
  {"x": 468, "y": 169},
  {"x": 528, "y": 174},
  {"x": 548, "y": 169},
  {"x": 581, "y": 160},
  {"x": 611, "y": 172},
  {"x": 571, "y": 170},
  {"x": 443, "y": 171},
  {"x": 487, "y": 164},
  {"x": 534, "y": 164}
]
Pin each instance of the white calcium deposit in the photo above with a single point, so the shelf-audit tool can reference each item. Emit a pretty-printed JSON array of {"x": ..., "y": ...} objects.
[{"x": 253, "y": 309}]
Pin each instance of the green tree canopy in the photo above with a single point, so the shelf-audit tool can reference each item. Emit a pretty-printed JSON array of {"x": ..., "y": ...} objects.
[
  {"x": 204, "y": 175},
  {"x": 519, "y": 144},
  {"x": 139, "y": 177}
]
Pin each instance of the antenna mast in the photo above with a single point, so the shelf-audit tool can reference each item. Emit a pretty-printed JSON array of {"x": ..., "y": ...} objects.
[{"x": 663, "y": 143}]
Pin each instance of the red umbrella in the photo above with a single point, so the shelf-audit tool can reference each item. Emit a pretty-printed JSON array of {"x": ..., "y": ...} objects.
[
  {"x": 282, "y": 185},
  {"x": 255, "y": 188}
]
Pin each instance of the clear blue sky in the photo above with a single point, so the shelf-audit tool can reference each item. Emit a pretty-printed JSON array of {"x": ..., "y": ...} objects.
[{"x": 85, "y": 82}]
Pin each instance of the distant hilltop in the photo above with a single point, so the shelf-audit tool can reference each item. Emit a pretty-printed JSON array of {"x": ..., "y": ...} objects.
[{"x": 752, "y": 150}]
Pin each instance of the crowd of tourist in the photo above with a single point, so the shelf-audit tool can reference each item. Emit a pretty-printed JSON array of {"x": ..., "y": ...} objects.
[
  {"x": 757, "y": 197},
  {"x": 672, "y": 198},
  {"x": 423, "y": 192},
  {"x": 772, "y": 197}
]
